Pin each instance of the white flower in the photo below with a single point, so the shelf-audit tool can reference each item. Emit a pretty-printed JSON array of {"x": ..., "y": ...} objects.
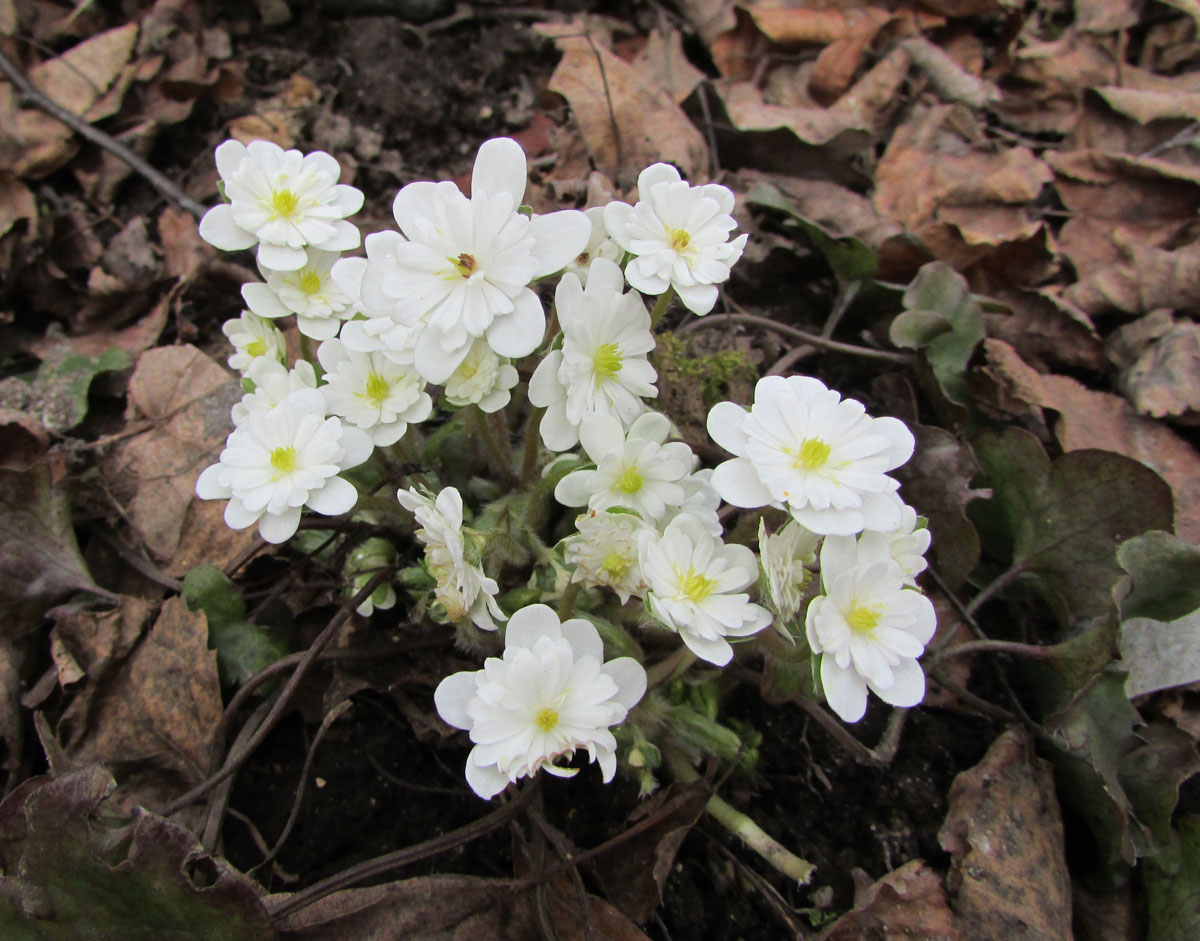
[
  {"x": 550, "y": 695},
  {"x": 637, "y": 470},
  {"x": 462, "y": 588},
  {"x": 278, "y": 461},
  {"x": 381, "y": 331},
  {"x": 372, "y": 392},
  {"x": 465, "y": 268},
  {"x": 602, "y": 365},
  {"x": 252, "y": 337},
  {"x": 677, "y": 234},
  {"x": 695, "y": 583},
  {"x": 282, "y": 201},
  {"x": 908, "y": 545},
  {"x": 783, "y": 556},
  {"x": 804, "y": 448},
  {"x": 599, "y": 245},
  {"x": 365, "y": 561},
  {"x": 604, "y": 551},
  {"x": 699, "y": 500},
  {"x": 309, "y": 292},
  {"x": 272, "y": 384},
  {"x": 482, "y": 379},
  {"x": 868, "y": 627}
]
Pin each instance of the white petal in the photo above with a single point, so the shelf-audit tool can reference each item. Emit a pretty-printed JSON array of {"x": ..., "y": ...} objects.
[
  {"x": 616, "y": 219},
  {"x": 218, "y": 229},
  {"x": 357, "y": 445},
  {"x": 725, "y": 421},
  {"x": 238, "y": 517},
  {"x": 518, "y": 333},
  {"x": 281, "y": 257},
  {"x": 908, "y": 685},
  {"x": 560, "y": 237},
  {"x": 575, "y": 489},
  {"x": 605, "y": 277},
  {"x": 716, "y": 651},
  {"x": 630, "y": 677},
  {"x": 451, "y": 698},
  {"x": 584, "y": 638},
  {"x": 601, "y": 435},
  {"x": 739, "y": 485},
  {"x": 845, "y": 690},
  {"x": 338, "y": 496},
  {"x": 500, "y": 168},
  {"x": 262, "y": 300},
  {"x": 530, "y": 623},
  {"x": 229, "y": 157},
  {"x": 279, "y": 527},
  {"x": 208, "y": 487},
  {"x": 486, "y": 781},
  {"x": 698, "y": 298},
  {"x": 653, "y": 175}
]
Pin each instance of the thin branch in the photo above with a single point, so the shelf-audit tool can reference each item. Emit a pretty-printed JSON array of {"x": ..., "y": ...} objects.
[
  {"x": 30, "y": 96},
  {"x": 803, "y": 336},
  {"x": 997, "y": 585}
]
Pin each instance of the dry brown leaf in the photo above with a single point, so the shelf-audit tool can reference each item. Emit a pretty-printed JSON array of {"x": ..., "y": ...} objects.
[
  {"x": 16, "y": 202},
  {"x": 1042, "y": 89},
  {"x": 906, "y": 903},
  {"x": 951, "y": 80},
  {"x": 1043, "y": 333},
  {"x": 10, "y": 703},
  {"x": 96, "y": 642},
  {"x": 961, "y": 203},
  {"x": 650, "y": 126},
  {"x": 8, "y": 17},
  {"x": 710, "y": 18},
  {"x": 1146, "y": 105},
  {"x": 155, "y": 718},
  {"x": 664, "y": 64},
  {"x": 1112, "y": 201},
  {"x": 188, "y": 397},
  {"x": 838, "y": 62},
  {"x": 1106, "y": 16},
  {"x": 1008, "y": 878},
  {"x": 23, "y": 439},
  {"x": 281, "y": 118},
  {"x": 951, "y": 631},
  {"x": 1145, "y": 279},
  {"x": 1165, "y": 379},
  {"x": 1090, "y": 419},
  {"x": 77, "y": 80}
]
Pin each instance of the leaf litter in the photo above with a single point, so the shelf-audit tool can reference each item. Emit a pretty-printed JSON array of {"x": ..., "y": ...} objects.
[{"x": 1011, "y": 194}]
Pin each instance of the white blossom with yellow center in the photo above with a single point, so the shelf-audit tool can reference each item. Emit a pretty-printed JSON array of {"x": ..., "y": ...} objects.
[
  {"x": 638, "y": 470},
  {"x": 372, "y": 392},
  {"x": 482, "y": 379},
  {"x": 279, "y": 461},
  {"x": 695, "y": 584},
  {"x": 602, "y": 366},
  {"x": 253, "y": 338},
  {"x": 309, "y": 292},
  {"x": 678, "y": 235},
  {"x": 551, "y": 694},
  {"x": 273, "y": 382},
  {"x": 784, "y": 556},
  {"x": 804, "y": 448},
  {"x": 604, "y": 551},
  {"x": 869, "y": 628},
  {"x": 281, "y": 201}
]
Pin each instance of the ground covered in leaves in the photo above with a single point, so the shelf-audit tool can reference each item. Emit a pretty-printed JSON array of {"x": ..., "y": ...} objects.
[{"x": 976, "y": 215}]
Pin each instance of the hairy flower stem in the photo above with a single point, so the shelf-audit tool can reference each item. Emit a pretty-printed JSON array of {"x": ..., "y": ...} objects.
[
  {"x": 501, "y": 457},
  {"x": 670, "y": 667},
  {"x": 529, "y": 459},
  {"x": 566, "y": 604},
  {"x": 660, "y": 307},
  {"x": 744, "y": 828}
]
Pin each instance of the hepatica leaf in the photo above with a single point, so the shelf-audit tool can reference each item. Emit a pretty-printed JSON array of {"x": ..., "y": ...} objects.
[
  {"x": 1062, "y": 522},
  {"x": 61, "y": 386},
  {"x": 243, "y": 648}
]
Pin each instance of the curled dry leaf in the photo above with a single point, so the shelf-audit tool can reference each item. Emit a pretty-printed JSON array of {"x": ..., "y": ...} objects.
[
  {"x": 1146, "y": 278},
  {"x": 604, "y": 90},
  {"x": 1165, "y": 379},
  {"x": 952, "y": 81},
  {"x": 187, "y": 397},
  {"x": 1090, "y": 419},
  {"x": 1008, "y": 876},
  {"x": 1045, "y": 83},
  {"x": 906, "y": 903},
  {"x": 665, "y": 65}
]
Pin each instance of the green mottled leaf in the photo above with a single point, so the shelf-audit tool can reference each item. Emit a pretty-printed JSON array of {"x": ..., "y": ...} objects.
[
  {"x": 942, "y": 318},
  {"x": 1165, "y": 574},
  {"x": 60, "y": 388},
  {"x": 848, "y": 258},
  {"x": 210, "y": 590},
  {"x": 243, "y": 649},
  {"x": 1061, "y": 523},
  {"x": 1173, "y": 899}
]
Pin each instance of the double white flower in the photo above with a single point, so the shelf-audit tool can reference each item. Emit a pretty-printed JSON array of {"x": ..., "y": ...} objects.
[
  {"x": 551, "y": 694},
  {"x": 868, "y": 628},
  {"x": 309, "y": 292},
  {"x": 462, "y": 588},
  {"x": 281, "y": 201},
  {"x": 804, "y": 448},
  {"x": 371, "y": 392},
  {"x": 695, "y": 584},
  {"x": 602, "y": 366},
  {"x": 277, "y": 462},
  {"x": 677, "y": 234},
  {"x": 464, "y": 268},
  {"x": 604, "y": 551}
]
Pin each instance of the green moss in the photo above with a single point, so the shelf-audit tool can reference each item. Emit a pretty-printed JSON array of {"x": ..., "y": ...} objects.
[{"x": 714, "y": 374}]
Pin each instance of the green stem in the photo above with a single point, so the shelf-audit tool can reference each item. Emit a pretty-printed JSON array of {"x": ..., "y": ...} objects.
[
  {"x": 669, "y": 667},
  {"x": 997, "y": 585},
  {"x": 529, "y": 460},
  {"x": 501, "y": 459},
  {"x": 745, "y": 829},
  {"x": 566, "y": 604},
  {"x": 660, "y": 306}
]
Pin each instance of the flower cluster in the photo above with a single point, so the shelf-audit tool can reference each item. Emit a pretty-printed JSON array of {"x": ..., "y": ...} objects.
[{"x": 430, "y": 321}]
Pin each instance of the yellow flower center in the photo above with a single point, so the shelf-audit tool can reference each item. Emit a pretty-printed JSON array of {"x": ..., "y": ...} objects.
[
  {"x": 256, "y": 347},
  {"x": 615, "y": 565},
  {"x": 607, "y": 361},
  {"x": 283, "y": 459},
  {"x": 377, "y": 387},
  {"x": 630, "y": 481},
  {"x": 464, "y": 264},
  {"x": 310, "y": 282},
  {"x": 813, "y": 455},
  {"x": 695, "y": 587},
  {"x": 546, "y": 719},
  {"x": 284, "y": 202},
  {"x": 679, "y": 239},
  {"x": 863, "y": 618},
  {"x": 466, "y": 371}
]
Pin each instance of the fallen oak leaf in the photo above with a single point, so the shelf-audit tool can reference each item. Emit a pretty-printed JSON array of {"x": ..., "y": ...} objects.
[{"x": 908, "y": 902}]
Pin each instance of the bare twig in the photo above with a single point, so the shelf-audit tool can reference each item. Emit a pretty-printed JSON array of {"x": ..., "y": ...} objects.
[
  {"x": 28, "y": 95},
  {"x": 813, "y": 339}
]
